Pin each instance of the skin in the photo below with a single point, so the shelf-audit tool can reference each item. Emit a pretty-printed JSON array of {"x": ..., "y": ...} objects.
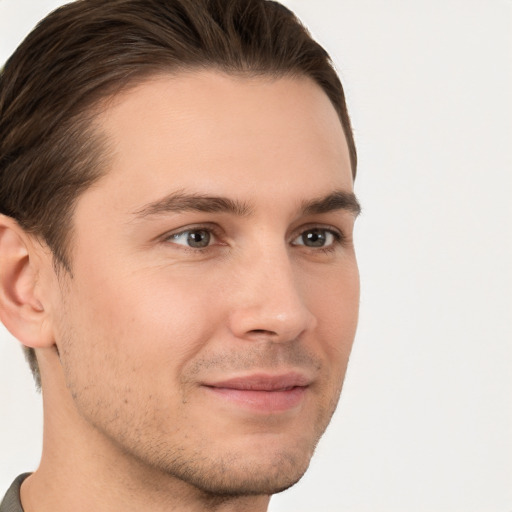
[{"x": 130, "y": 343}]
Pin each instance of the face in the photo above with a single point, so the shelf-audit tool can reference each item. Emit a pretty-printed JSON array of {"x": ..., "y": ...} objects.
[{"x": 213, "y": 301}]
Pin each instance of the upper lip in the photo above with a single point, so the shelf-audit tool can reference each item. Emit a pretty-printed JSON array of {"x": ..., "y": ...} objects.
[{"x": 263, "y": 382}]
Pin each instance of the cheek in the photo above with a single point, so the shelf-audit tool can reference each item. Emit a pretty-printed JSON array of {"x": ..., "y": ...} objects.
[
  {"x": 334, "y": 300},
  {"x": 124, "y": 347},
  {"x": 335, "y": 303},
  {"x": 151, "y": 318}
]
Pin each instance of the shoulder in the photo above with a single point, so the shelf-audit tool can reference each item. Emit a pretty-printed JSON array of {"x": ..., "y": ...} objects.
[{"x": 11, "y": 501}]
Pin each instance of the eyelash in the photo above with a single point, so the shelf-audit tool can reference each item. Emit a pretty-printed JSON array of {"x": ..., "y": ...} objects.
[
  {"x": 338, "y": 238},
  {"x": 212, "y": 230}
]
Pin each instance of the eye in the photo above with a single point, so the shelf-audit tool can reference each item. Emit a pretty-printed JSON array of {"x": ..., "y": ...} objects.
[
  {"x": 317, "y": 237},
  {"x": 194, "y": 238}
]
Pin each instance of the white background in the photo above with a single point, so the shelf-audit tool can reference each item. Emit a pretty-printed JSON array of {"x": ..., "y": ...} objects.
[{"x": 425, "y": 421}]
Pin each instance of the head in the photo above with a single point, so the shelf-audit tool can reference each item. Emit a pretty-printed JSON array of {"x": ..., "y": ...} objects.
[
  {"x": 181, "y": 174},
  {"x": 53, "y": 85}
]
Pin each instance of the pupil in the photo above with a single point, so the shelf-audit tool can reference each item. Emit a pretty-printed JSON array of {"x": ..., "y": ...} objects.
[
  {"x": 198, "y": 238},
  {"x": 314, "y": 238}
]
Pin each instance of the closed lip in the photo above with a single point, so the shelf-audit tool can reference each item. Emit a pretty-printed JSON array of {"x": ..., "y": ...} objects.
[{"x": 263, "y": 382}]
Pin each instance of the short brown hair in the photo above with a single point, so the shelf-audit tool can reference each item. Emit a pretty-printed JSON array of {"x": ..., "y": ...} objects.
[{"x": 90, "y": 49}]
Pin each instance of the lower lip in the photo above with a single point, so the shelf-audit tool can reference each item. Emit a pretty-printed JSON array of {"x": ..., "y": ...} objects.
[{"x": 262, "y": 401}]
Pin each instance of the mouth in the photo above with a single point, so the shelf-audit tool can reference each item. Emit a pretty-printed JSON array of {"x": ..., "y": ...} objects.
[{"x": 261, "y": 392}]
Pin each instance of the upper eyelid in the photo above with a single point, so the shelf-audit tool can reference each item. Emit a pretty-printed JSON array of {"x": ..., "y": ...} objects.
[
  {"x": 338, "y": 236},
  {"x": 326, "y": 227},
  {"x": 215, "y": 230}
]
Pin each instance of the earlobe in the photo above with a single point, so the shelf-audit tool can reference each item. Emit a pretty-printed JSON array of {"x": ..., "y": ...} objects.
[{"x": 21, "y": 310}]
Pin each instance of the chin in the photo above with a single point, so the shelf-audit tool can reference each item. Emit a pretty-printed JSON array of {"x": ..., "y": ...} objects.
[
  {"x": 239, "y": 473},
  {"x": 244, "y": 481}
]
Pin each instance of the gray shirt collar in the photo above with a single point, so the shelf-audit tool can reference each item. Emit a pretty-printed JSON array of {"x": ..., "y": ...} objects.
[{"x": 12, "y": 501}]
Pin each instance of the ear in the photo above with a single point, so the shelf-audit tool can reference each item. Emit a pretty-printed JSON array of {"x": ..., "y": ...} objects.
[{"x": 22, "y": 311}]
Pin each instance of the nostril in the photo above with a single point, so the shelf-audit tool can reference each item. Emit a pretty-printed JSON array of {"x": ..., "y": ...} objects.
[{"x": 263, "y": 331}]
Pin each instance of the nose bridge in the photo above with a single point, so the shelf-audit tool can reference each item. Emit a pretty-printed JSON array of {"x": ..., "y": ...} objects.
[{"x": 269, "y": 302}]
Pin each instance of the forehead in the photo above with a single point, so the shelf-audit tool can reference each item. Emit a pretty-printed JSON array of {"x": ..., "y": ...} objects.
[{"x": 214, "y": 131}]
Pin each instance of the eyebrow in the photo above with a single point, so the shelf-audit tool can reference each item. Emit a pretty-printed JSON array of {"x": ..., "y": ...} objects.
[
  {"x": 338, "y": 200},
  {"x": 178, "y": 202},
  {"x": 183, "y": 202}
]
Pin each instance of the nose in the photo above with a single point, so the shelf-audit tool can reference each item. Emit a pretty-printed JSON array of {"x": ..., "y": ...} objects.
[{"x": 269, "y": 300}]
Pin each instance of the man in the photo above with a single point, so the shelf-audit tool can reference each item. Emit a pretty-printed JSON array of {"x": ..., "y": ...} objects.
[{"x": 176, "y": 251}]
